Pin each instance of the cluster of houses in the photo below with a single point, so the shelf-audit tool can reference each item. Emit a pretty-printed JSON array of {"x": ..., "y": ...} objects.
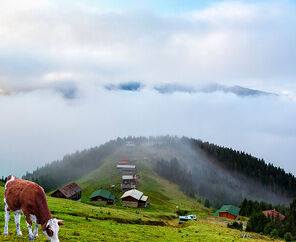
[
  {"x": 131, "y": 196},
  {"x": 129, "y": 176},
  {"x": 130, "y": 180}
]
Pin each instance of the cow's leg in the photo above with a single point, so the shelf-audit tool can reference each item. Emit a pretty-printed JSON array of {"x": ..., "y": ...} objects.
[
  {"x": 34, "y": 220},
  {"x": 17, "y": 219},
  {"x": 29, "y": 225},
  {"x": 36, "y": 231},
  {"x": 7, "y": 215}
]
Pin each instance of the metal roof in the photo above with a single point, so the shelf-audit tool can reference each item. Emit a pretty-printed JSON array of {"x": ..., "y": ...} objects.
[
  {"x": 125, "y": 186},
  {"x": 102, "y": 193},
  {"x": 133, "y": 193},
  {"x": 144, "y": 198},
  {"x": 70, "y": 190},
  {"x": 228, "y": 209},
  {"x": 128, "y": 177},
  {"x": 127, "y": 166},
  {"x": 273, "y": 214}
]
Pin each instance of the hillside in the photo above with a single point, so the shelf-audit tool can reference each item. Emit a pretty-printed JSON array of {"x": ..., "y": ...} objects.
[
  {"x": 84, "y": 222},
  {"x": 201, "y": 169},
  {"x": 163, "y": 195}
]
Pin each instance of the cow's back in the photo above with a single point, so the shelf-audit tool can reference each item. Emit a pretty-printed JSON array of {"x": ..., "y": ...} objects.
[{"x": 20, "y": 192}]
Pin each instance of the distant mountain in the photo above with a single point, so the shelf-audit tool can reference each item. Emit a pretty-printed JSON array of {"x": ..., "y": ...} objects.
[
  {"x": 171, "y": 88},
  {"x": 238, "y": 90},
  {"x": 126, "y": 86}
]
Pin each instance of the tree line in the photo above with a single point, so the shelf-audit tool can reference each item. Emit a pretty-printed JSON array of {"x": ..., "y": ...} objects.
[
  {"x": 72, "y": 167},
  {"x": 172, "y": 171},
  {"x": 271, "y": 177},
  {"x": 272, "y": 226}
]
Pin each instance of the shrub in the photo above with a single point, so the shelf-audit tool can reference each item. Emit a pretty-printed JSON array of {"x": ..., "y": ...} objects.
[
  {"x": 257, "y": 223},
  {"x": 274, "y": 233},
  {"x": 288, "y": 236},
  {"x": 207, "y": 203},
  {"x": 236, "y": 225},
  {"x": 181, "y": 212},
  {"x": 268, "y": 228}
]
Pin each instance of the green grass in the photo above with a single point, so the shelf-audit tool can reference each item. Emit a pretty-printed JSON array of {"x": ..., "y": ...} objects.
[
  {"x": 163, "y": 195},
  {"x": 85, "y": 222}
]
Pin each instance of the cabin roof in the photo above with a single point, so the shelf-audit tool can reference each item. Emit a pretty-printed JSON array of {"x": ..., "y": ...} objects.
[
  {"x": 228, "y": 209},
  {"x": 133, "y": 193},
  {"x": 128, "y": 177},
  {"x": 273, "y": 214},
  {"x": 102, "y": 193},
  {"x": 144, "y": 198},
  {"x": 70, "y": 189},
  {"x": 126, "y": 166}
]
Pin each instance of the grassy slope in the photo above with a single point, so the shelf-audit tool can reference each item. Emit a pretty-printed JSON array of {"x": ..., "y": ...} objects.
[
  {"x": 163, "y": 195},
  {"x": 85, "y": 222}
]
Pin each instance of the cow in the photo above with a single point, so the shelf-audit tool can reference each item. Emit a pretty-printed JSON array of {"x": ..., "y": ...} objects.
[{"x": 29, "y": 198}]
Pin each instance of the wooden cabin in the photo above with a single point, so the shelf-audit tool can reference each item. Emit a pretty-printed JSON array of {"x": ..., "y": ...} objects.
[
  {"x": 72, "y": 191},
  {"x": 134, "y": 199},
  {"x": 127, "y": 169},
  {"x": 130, "y": 179},
  {"x": 127, "y": 187},
  {"x": 272, "y": 214},
  {"x": 102, "y": 196},
  {"x": 129, "y": 182},
  {"x": 228, "y": 211}
]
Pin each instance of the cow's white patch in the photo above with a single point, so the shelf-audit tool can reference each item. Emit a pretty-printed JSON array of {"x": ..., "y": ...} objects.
[
  {"x": 31, "y": 236},
  {"x": 53, "y": 225},
  {"x": 17, "y": 219},
  {"x": 7, "y": 216},
  {"x": 11, "y": 179},
  {"x": 34, "y": 220}
]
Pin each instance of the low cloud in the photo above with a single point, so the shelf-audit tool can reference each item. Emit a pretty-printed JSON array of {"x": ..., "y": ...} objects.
[
  {"x": 41, "y": 126},
  {"x": 67, "y": 71}
]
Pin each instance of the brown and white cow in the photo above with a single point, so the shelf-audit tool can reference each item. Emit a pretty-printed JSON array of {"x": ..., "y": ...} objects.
[{"x": 29, "y": 198}]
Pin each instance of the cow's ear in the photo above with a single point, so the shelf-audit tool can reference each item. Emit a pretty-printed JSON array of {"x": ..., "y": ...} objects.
[{"x": 60, "y": 222}]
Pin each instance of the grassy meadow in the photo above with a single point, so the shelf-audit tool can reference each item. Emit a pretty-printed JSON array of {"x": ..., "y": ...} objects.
[{"x": 85, "y": 221}]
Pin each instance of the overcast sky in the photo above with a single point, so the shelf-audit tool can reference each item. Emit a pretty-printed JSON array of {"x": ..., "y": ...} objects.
[{"x": 66, "y": 68}]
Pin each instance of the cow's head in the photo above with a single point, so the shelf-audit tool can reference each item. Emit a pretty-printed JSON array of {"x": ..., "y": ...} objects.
[{"x": 51, "y": 229}]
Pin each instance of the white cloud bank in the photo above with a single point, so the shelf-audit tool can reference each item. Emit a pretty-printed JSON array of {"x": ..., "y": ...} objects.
[{"x": 47, "y": 45}]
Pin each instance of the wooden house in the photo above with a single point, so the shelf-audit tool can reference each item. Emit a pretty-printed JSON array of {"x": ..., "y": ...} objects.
[
  {"x": 127, "y": 169},
  {"x": 228, "y": 211},
  {"x": 134, "y": 198},
  {"x": 72, "y": 191},
  {"x": 102, "y": 196},
  {"x": 272, "y": 214},
  {"x": 127, "y": 187},
  {"x": 130, "y": 179},
  {"x": 129, "y": 182}
]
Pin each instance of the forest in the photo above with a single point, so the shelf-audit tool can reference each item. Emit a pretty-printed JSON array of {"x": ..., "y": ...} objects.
[
  {"x": 71, "y": 167},
  {"x": 272, "y": 178},
  {"x": 271, "y": 226}
]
